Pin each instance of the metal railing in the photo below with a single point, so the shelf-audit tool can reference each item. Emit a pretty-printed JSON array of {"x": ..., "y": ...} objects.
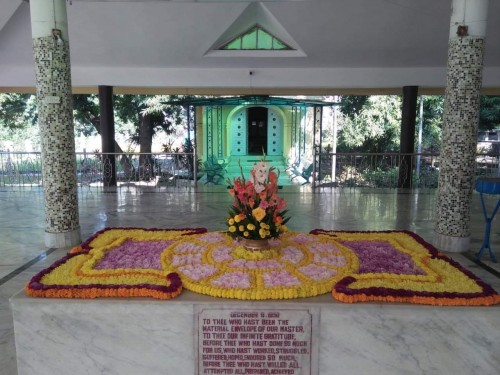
[
  {"x": 20, "y": 168},
  {"x": 96, "y": 169},
  {"x": 160, "y": 170},
  {"x": 139, "y": 169},
  {"x": 389, "y": 170}
]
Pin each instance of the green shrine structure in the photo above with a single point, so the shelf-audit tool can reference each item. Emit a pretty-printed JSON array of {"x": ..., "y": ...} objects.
[{"x": 234, "y": 131}]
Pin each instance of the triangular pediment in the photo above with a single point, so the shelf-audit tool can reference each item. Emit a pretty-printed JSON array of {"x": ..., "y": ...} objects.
[
  {"x": 256, "y": 32},
  {"x": 256, "y": 38}
]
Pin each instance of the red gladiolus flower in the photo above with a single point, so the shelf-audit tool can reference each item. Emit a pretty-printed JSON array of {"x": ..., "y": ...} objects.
[{"x": 273, "y": 177}]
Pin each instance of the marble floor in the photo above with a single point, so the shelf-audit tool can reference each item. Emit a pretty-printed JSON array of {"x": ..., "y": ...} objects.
[{"x": 22, "y": 251}]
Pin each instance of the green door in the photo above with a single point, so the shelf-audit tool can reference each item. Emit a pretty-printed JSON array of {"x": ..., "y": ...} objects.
[
  {"x": 274, "y": 134},
  {"x": 239, "y": 133}
]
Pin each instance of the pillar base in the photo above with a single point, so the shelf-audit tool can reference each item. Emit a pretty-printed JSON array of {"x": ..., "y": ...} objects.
[
  {"x": 451, "y": 244},
  {"x": 65, "y": 239}
]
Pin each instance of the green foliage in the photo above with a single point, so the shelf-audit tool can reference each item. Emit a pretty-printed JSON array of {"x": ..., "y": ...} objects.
[
  {"x": 376, "y": 128},
  {"x": 18, "y": 115},
  {"x": 17, "y": 110},
  {"x": 86, "y": 114},
  {"x": 428, "y": 178},
  {"x": 432, "y": 123},
  {"x": 489, "y": 116},
  {"x": 373, "y": 125},
  {"x": 380, "y": 178},
  {"x": 163, "y": 117},
  {"x": 351, "y": 105}
]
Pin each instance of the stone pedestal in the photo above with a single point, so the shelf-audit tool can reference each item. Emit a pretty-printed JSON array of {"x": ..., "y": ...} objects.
[{"x": 144, "y": 336}]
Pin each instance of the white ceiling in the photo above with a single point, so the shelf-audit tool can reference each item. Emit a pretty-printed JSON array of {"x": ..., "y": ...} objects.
[{"x": 345, "y": 44}]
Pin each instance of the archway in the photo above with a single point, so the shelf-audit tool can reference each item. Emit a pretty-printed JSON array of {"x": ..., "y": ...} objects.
[
  {"x": 267, "y": 137},
  {"x": 257, "y": 130}
]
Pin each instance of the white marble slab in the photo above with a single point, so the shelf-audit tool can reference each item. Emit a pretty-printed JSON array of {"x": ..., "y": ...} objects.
[
  {"x": 143, "y": 336},
  {"x": 380, "y": 339}
]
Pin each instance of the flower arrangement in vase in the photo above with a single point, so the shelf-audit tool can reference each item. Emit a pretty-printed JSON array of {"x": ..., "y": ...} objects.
[{"x": 258, "y": 212}]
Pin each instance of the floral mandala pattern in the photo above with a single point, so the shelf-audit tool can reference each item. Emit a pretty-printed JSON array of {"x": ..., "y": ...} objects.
[
  {"x": 392, "y": 266},
  {"x": 298, "y": 265}
]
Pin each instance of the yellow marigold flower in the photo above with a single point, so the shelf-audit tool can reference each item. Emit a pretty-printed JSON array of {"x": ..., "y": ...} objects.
[
  {"x": 232, "y": 229},
  {"x": 258, "y": 213},
  {"x": 241, "y": 228},
  {"x": 246, "y": 234},
  {"x": 263, "y": 235},
  {"x": 262, "y": 232},
  {"x": 251, "y": 226},
  {"x": 231, "y": 221},
  {"x": 237, "y": 218}
]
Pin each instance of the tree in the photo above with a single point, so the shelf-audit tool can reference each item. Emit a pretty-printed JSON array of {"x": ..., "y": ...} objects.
[
  {"x": 489, "y": 115},
  {"x": 351, "y": 105},
  {"x": 375, "y": 128},
  {"x": 18, "y": 115},
  {"x": 86, "y": 114},
  {"x": 432, "y": 123},
  {"x": 17, "y": 110},
  {"x": 150, "y": 115}
]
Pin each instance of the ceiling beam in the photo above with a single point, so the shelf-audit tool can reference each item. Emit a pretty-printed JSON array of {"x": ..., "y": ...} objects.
[{"x": 310, "y": 91}]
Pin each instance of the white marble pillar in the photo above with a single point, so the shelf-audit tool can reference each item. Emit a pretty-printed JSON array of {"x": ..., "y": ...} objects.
[
  {"x": 460, "y": 124},
  {"x": 55, "y": 118}
]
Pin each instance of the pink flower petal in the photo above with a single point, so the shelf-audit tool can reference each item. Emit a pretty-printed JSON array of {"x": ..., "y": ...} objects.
[
  {"x": 178, "y": 260},
  {"x": 279, "y": 278},
  {"x": 222, "y": 253},
  {"x": 292, "y": 254},
  {"x": 211, "y": 237},
  {"x": 233, "y": 280},
  {"x": 317, "y": 272},
  {"x": 198, "y": 272}
]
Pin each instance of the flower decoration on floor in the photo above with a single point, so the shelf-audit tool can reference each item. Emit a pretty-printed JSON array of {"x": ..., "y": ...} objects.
[
  {"x": 258, "y": 212},
  {"x": 297, "y": 265},
  {"x": 399, "y": 266},
  {"x": 115, "y": 262},
  {"x": 392, "y": 266}
]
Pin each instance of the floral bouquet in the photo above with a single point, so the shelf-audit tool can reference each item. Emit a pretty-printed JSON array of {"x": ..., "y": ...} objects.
[{"x": 257, "y": 213}]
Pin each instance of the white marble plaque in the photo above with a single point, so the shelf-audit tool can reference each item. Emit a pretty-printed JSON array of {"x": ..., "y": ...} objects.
[{"x": 256, "y": 341}]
